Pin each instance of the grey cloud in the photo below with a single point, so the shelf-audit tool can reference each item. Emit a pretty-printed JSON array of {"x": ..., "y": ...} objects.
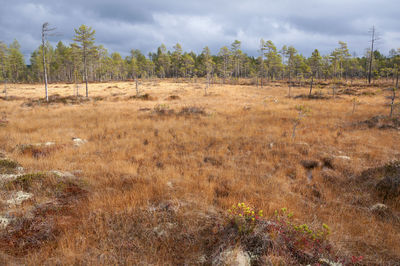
[{"x": 144, "y": 24}]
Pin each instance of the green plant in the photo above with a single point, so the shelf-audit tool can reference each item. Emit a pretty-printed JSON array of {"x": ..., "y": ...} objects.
[
  {"x": 300, "y": 240},
  {"x": 7, "y": 166},
  {"x": 163, "y": 109},
  {"x": 244, "y": 218},
  {"x": 25, "y": 181}
]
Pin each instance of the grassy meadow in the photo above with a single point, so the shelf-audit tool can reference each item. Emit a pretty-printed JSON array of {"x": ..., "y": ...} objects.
[{"x": 154, "y": 175}]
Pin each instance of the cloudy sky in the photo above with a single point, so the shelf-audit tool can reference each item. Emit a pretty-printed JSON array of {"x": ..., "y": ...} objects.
[{"x": 144, "y": 24}]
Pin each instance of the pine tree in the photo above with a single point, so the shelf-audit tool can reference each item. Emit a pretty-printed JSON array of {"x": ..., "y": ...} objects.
[
  {"x": 225, "y": 54},
  {"x": 16, "y": 62},
  {"x": 261, "y": 69},
  {"x": 208, "y": 64},
  {"x": 162, "y": 60},
  {"x": 176, "y": 59},
  {"x": 85, "y": 37},
  {"x": 187, "y": 65},
  {"x": 315, "y": 64},
  {"x": 3, "y": 65},
  {"x": 235, "y": 53},
  {"x": 273, "y": 59},
  {"x": 291, "y": 54}
]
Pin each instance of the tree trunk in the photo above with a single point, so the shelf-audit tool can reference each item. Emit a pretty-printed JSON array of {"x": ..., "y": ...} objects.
[
  {"x": 371, "y": 55},
  {"x": 44, "y": 64},
  {"x": 5, "y": 88},
  {"x": 311, "y": 84},
  {"x": 334, "y": 90},
  {"x": 257, "y": 82},
  {"x": 208, "y": 84},
  {"x": 394, "y": 94},
  {"x": 137, "y": 87},
  {"x": 392, "y": 103},
  {"x": 294, "y": 130},
  {"x": 86, "y": 74}
]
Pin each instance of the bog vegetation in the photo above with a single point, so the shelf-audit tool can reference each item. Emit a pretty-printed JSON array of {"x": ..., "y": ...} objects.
[{"x": 178, "y": 158}]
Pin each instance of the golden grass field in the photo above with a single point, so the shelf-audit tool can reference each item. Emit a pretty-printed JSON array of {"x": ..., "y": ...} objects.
[{"x": 157, "y": 185}]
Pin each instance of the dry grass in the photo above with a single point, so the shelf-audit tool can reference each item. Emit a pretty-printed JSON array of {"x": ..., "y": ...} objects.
[{"x": 159, "y": 185}]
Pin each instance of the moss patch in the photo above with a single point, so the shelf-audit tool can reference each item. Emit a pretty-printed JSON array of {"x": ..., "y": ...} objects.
[
  {"x": 26, "y": 182},
  {"x": 8, "y": 167}
]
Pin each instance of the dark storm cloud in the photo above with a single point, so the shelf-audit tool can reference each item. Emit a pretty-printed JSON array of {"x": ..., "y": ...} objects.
[{"x": 122, "y": 25}]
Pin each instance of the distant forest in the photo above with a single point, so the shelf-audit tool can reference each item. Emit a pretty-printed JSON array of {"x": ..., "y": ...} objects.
[{"x": 83, "y": 58}]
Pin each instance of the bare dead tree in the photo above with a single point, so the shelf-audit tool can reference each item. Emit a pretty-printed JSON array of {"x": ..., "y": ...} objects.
[
  {"x": 394, "y": 89},
  {"x": 303, "y": 111},
  {"x": 374, "y": 38},
  {"x": 45, "y": 32}
]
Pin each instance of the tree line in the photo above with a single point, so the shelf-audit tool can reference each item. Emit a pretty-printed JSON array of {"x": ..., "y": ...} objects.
[{"x": 82, "y": 60}]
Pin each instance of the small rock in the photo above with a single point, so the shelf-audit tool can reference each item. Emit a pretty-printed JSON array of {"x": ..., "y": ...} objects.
[
  {"x": 343, "y": 157},
  {"x": 4, "y": 222},
  {"x": 379, "y": 207},
  {"x": 330, "y": 263},
  {"x": 235, "y": 257},
  {"x": 166, "y": 206},
  {"x": 62, "y": 174},
  {"x": 381, "y": 210},
  {"x": 202, "y": 260},
  {"x": 78, "y": 142},
  {"x": 49, "y": 143},
  {"x": 18, "y": 198},
  {"x": 9, "y": 177},
  {"x": 302, "y": 144},
  {"x": 271, "y": 145},
  {"x": 170, "y": 185},
  {"x": 164, "y": 229},
  {"x": 76, "y": 172}
]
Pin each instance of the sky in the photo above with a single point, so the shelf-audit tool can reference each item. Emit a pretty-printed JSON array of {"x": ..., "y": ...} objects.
[{"x": 122, "y": 25}]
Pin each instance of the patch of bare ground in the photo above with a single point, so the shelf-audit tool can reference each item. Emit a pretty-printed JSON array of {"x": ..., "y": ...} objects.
[
  {"x": 55, "y": 99},
  {"x": 312, "y": 97},
  {"x": 143, "y": 97},
  {"x": 380, "y": 122}
]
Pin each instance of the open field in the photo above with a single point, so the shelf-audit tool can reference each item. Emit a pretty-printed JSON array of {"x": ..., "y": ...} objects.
[{"x": 152, "y": 178}]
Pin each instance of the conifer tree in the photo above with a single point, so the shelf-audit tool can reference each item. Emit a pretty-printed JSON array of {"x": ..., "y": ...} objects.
[
  {"x": 208, "y": 64},
  {"x": 315, "y": 63},
  {"x": 84, "y": 38},
  {"x": 3, "y": 65},
  {"x": 16, "y": 62},
  {"x": 225, "y": 54}
]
